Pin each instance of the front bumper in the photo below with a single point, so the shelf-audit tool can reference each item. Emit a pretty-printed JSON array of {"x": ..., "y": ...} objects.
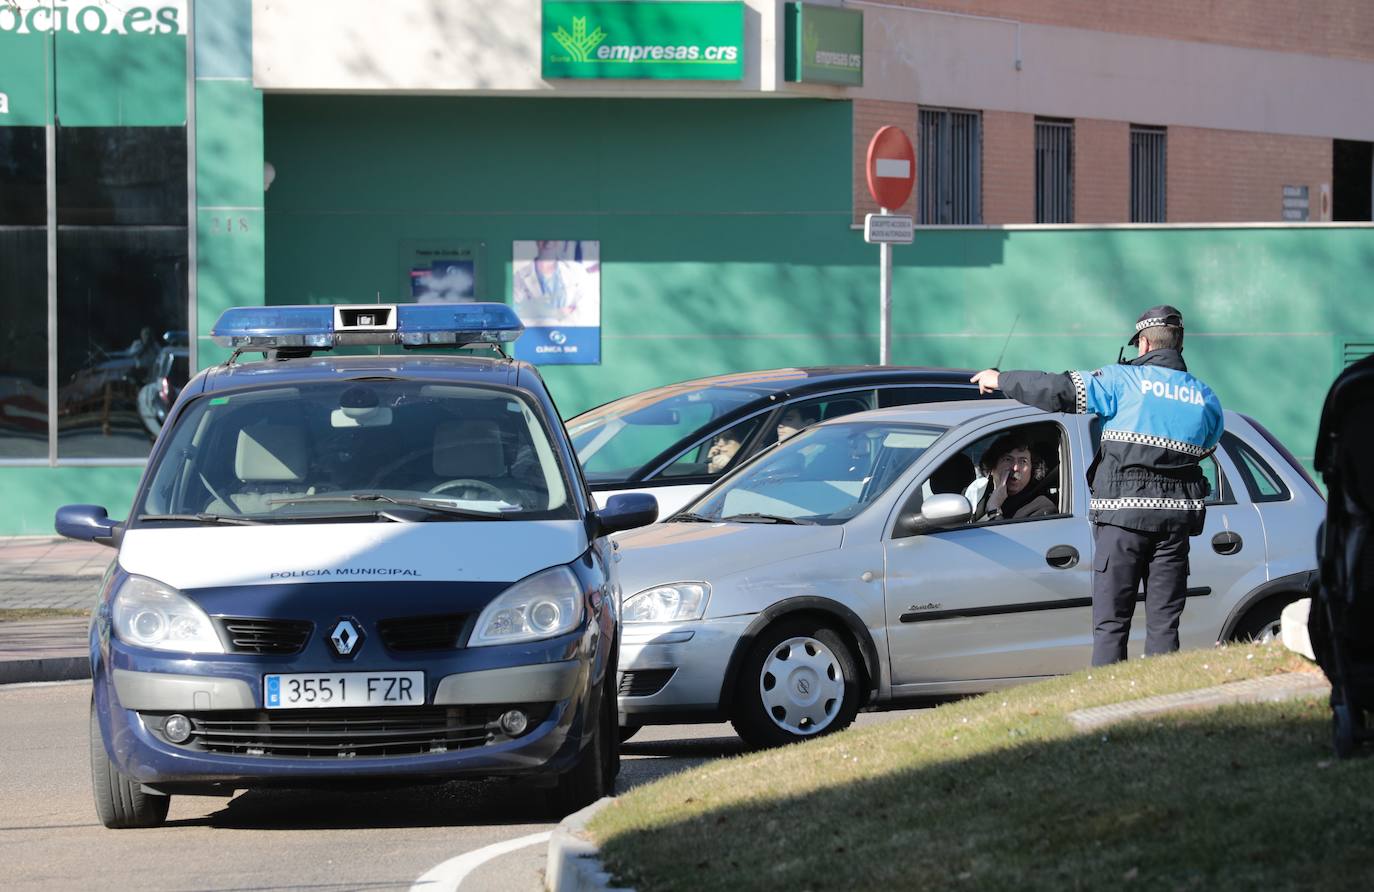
[
  {"x": 238, "y": 743},
  {"x": 672, "y": 671}
]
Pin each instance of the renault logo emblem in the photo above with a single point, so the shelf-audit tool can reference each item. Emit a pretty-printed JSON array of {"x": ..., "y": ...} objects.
[{"x": 345, "y": 636}]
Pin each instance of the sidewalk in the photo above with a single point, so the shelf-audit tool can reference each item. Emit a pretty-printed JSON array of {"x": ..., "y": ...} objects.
[{"x": 47, "y": 573}]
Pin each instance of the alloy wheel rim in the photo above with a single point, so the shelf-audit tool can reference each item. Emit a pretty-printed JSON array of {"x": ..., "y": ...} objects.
[{"x": 801, "y": 686}]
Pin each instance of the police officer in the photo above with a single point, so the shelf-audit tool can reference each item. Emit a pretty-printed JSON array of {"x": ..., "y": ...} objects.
[{"x": 1158, "y": 422}]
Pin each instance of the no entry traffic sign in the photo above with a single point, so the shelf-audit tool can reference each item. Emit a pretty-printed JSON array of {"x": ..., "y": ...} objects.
[{"x": 891, "y": 167}]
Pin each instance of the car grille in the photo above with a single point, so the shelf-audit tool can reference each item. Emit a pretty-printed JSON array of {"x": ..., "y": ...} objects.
[
  {"x": 644, "y": 682},
  {"x": 348, "y": 733},
  {"x": 264, "y": 636},
  {"x": 423, "y": 632}
]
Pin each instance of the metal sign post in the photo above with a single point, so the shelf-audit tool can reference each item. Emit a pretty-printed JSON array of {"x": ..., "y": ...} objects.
[{"x": 891, "y": 174}]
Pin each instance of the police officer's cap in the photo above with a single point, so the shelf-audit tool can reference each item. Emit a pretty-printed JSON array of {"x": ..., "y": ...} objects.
[{"x": 1160, "y": 315}]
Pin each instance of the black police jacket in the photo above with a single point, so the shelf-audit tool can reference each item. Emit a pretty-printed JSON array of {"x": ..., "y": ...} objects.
[{"x": 1158, "y": 422}]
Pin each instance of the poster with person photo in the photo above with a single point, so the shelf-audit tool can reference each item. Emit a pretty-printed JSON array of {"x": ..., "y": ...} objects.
[{"x": 556, "y": 291}]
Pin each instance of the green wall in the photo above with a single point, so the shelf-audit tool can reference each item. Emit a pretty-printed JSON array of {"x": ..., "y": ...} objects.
[{"x": 726, "y": 245}]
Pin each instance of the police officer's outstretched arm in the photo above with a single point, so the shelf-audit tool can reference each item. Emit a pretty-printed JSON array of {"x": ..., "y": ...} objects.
[{"x": 1080, "y": 392}]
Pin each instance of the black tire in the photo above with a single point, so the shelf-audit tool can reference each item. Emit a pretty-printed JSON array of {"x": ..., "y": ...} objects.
[
  {"x": 628, "y": 731},
  {"x": 120, "y": 802},
  {"x": 593, "y": 774},
  {"x": 1261, "y": 622},
  {"x": 823, "y": 660}
]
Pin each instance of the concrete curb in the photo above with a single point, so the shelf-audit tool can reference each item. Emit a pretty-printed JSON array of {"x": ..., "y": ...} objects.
[
  {"x": 574, "y": 863},
  {"x": 1269, "y": 689},
  {"x": 45, "y": 669}
]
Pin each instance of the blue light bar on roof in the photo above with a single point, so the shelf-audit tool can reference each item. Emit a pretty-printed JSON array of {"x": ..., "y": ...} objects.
[{"x": 324, "y": 327}]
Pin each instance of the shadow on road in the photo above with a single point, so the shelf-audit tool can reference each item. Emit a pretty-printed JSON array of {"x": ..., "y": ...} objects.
[{"x": 455, "y": 804}]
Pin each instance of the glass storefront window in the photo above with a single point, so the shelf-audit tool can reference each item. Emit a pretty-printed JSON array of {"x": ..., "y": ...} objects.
[
  {"x": 122, "y": 264},
  {"x": 23, "y": 294}
]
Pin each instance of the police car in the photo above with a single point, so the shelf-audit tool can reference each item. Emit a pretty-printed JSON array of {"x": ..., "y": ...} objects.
[
  {"x": 858, "y": 563},
  {"x": 356, "y": 567}
]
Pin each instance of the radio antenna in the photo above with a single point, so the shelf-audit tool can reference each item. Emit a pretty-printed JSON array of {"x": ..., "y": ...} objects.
[{"x": 998, "y": 364}]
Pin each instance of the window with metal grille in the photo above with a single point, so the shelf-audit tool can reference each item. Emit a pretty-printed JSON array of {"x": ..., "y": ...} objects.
[
  {"x": 950, "y": 155},
  {"x": 1147, "y": 174},
  {"x": 1053, "y": 171}
]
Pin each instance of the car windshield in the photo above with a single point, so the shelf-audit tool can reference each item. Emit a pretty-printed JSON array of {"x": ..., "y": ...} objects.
[
  {"x": 825, "y": 475},
  {"x": 616, "y": 440},
  {"x": 358, "y": 449}
]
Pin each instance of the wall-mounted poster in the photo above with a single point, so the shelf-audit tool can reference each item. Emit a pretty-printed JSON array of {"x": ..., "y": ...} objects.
[
  {"x": 556, "y": 291},
  {"x": 438, "y": 271}
]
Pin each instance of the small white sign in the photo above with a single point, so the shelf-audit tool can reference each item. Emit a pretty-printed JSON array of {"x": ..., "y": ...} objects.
[
  {"x": 897, "y": 168},
  {"x": 895, "y": 229}
]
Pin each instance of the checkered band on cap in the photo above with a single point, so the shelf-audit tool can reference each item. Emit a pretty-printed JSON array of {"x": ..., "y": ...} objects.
[
  {"x": 1151, "y": 323},
  {"x": 1080, "y": 393},
  {"x": 1146, "y": 504},
  {"x": 1149, "y": 440}
]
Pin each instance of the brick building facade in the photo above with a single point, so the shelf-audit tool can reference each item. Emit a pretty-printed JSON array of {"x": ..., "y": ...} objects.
[{"x": 1255, "y": 163}]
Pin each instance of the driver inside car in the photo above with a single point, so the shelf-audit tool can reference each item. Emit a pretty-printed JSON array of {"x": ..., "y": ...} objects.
[{"x": 1014, "y": 490}]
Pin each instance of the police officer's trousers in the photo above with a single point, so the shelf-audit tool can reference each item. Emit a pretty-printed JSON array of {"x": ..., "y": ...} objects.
[{"x": 1122, "y": 560}]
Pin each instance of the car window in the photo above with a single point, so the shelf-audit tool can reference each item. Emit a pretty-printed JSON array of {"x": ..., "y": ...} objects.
[
  {"x": 824, "y": 475},
  {"x": 908, "y": 396},
  {"x": 346, "y": 448},
  {"x": 1261, "y": 481},
  {"x": 714, "y": 455},
  {"x": 616, "y": 440},
  {"x": 1220, "y": 493},
  {"x": 1028, "y": 457},
  {"x": 797, "y": 416}
]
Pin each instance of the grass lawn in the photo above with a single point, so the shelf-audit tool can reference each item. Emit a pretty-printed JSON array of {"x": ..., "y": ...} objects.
[
  {"x": 1000, "y": 792},
  {"x": 18, "y": 614}
]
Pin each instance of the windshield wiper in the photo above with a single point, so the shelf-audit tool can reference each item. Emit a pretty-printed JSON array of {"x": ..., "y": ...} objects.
[
  {"x": 689, "y": 517},
  {"x": 203, "y": 518},
  {"x": 755, "y": 517},
  {"x": 423, "y": 504}
]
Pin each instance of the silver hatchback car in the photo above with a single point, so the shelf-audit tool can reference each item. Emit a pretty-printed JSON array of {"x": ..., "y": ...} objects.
[{"x": 854, "y": 564}]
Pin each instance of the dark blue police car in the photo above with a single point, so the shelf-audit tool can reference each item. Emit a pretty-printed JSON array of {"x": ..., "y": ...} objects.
[{"x": 356, "y": 567}]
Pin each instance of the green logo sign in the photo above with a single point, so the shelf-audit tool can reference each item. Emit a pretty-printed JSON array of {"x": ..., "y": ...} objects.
[
  {"x": 825, "y": 45},
  {"x": 657, "y": 40}
]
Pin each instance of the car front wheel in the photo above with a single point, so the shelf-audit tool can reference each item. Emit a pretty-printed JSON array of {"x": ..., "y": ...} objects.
[
  {"x": 120, "y": 801},
  {"x": 800, "y": 680},
  {"x": 593, "y": 774}
]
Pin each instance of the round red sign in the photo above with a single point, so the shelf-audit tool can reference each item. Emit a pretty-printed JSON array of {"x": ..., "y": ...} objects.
[{"x": 891, "y": 167}]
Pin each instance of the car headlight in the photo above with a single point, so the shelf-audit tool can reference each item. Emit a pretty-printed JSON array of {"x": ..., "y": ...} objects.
[
  {"x": 150, "y": 614},
  {"x": 546, "y": 604},
  {"x": 666, "y": 603}
]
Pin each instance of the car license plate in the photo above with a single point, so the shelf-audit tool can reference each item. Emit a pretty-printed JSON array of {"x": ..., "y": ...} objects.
[{"x": 319, "y": 691}]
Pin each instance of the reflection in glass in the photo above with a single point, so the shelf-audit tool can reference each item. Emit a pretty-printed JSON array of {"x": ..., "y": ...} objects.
[
  {"x": 121, "y": 286},
  {"x": 826, "y": 474},
  {"x": 23, "y": 295}
]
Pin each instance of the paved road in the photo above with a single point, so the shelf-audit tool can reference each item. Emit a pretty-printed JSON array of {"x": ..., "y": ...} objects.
[{"x": 330, "y": 842}]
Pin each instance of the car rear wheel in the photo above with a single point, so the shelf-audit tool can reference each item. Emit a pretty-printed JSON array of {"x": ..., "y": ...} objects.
[
  {"x": 594, "y": 773},
  {"x": 120, "y": 801},
  {"x": 799, "y": 681},
  {"x": 1261, "y": 623}
]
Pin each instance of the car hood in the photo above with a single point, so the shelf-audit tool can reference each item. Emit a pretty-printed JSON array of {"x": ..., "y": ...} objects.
[
  {"x": 692, "y": 552},
  {"x": 468, "y": 551}
]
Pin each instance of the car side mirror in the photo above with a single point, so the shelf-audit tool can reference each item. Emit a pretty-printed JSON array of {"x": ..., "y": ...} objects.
[
  {"x": 89, "y": 523},
  {"x": 626, "y": 511},
  {"x": 940, "y": 511}
]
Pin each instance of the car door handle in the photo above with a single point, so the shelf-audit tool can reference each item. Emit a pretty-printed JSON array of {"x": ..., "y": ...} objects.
[
  {"x": 1064, "y": 557},
  {"x": 1227, "y": 542}
]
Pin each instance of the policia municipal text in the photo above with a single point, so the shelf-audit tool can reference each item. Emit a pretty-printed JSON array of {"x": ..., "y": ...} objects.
[{"x": 1158, "y": 422}]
